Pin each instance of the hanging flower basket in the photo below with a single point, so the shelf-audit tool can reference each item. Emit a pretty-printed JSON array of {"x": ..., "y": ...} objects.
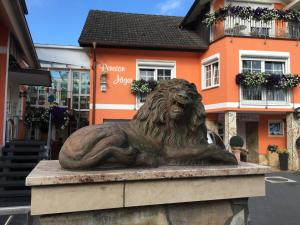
[
  {"x": 254, "y": 79},
  {"x": 143, "y": 87},
  {"x": 247, "y": 13}
]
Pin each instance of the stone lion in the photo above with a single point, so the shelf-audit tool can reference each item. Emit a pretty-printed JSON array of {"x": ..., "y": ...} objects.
[{"x": 169, "y": 129}]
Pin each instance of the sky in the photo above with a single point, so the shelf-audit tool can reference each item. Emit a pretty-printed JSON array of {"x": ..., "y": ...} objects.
[{"x": 61, "y": 21}]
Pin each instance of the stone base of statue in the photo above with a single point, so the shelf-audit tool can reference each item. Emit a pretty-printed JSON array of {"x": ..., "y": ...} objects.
[{"x": 194, "y": 195}]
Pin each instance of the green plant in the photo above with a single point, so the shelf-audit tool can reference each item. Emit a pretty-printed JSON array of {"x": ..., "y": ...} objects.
[
  {"x": 254, "y": 79},
  {"x": 272, "y": 148},
  {"x": 247, "y": 13},
  {"x": 236, "y": 141},
  {"x": 298, "y": 143},
  {"x": 143, "y": 87}
]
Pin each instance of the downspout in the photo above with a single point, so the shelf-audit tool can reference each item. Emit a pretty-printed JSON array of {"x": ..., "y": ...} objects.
[{"x": 94, "y": 82}]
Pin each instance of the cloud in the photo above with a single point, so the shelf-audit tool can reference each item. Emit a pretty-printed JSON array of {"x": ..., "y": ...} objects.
[{"x": 169, "y": 6}]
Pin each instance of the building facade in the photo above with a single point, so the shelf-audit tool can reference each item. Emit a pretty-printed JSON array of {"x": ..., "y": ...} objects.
[
  {"x": 69, "y": 67},
  {"x": 214, "y": 56},
  {"x": 19, "y": 67}
]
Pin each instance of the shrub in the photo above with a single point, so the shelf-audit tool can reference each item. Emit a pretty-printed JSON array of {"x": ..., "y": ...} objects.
[
  {"x": 272, "y": 148},
  {"x": 236, "y": 141}
]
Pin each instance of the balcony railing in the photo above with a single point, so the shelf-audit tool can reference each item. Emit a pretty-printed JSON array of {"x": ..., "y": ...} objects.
[
  {"x": 235, "y": 26},
  {"x": 263, "y": 96}
]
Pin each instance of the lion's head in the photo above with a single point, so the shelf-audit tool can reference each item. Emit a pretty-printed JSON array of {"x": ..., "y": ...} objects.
[{"x": 173, "y": 113}]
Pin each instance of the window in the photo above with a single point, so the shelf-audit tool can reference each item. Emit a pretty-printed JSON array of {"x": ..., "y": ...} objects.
[
  {"x": 270, "y": 66},
  {"x": 62, "y": 85},
  {"x": 155, "y": 70},
  {"x": 81, "y": 91},
  {"x": 212, "y": 75},
  {"x": 276, "y": 128},
  {"x": 210, "y": 72}
]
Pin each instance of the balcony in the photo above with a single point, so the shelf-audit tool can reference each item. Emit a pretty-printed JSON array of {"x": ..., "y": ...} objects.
[
  {"x": 254, "y": 22},
  {"x": 233, "y": 26},
  {"x": 263, "y": 96}
]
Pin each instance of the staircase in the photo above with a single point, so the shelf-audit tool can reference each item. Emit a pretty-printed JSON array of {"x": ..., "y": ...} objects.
[{"x": 17, "y": 159}]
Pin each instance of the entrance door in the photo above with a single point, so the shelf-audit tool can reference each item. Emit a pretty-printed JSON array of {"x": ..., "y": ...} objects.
[{"x": 251, "y": 130}]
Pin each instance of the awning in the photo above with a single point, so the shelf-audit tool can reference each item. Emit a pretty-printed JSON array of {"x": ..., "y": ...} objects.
[{"x": 31, "y": 77}]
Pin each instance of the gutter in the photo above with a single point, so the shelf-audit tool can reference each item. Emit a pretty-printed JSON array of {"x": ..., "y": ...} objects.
[{"x": 20, "y": 30}]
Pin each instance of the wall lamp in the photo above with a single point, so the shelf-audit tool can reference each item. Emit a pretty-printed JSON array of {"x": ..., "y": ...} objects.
[{"x": 103, "y": 81}]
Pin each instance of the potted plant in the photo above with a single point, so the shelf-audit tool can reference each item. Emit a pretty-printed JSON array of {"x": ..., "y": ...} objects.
[
  {"x": 236, "y": 144},
  {"x": 283, "y": 155}
]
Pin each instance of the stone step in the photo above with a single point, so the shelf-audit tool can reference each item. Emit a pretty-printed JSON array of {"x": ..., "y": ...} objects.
[
  {"x": 14, "y": 193},
  {"x": 26, "y": 143},
  {"x": 22, "y": 157},
  {"x": 23, "y": 150},
  {"x": 11, "y": 165},
  {"x": 13, "y": 183},
  {"x": 14, "y": 174}
]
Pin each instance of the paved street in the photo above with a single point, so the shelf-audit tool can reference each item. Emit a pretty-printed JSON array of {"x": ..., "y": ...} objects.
[{"x": 281, "y": 206}]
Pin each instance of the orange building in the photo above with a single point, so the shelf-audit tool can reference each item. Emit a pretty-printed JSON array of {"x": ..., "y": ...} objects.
[{"x": 126, "y": 47}]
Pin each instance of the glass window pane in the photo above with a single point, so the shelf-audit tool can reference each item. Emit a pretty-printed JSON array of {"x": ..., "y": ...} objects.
[
  {"x": 208, "y": 75},
  {"x": 76, "y": 76},
  {"x": 85, "y": 76},
  {"x": 216, "y": 76},
  {"x": 147, "y": 74},
  {"x": 42, "y": 100},
  {"x": 163, "y": 74},
  {"x": 246, "y": 64},
  {"x": 268, "y": 66},
  {"x": 84, "y": 102},
  {"x": 75, "y": 87},
  {"x": 63, "y": 98},
  {"x": 256, "y": 66},
  {"x": 75, "y": 102},
  {"x": 274, "y": 67}
]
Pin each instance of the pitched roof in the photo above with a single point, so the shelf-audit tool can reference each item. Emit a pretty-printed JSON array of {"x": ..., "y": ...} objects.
[{"x": 140, "y": 31}]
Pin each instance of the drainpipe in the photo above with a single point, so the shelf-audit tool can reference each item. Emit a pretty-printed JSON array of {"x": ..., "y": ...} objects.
[{"x": 94, "y": 82}]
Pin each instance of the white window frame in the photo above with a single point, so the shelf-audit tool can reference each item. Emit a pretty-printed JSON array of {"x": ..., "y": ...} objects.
[
  {"x": 206, "y": 62},
  {"x": 265, "y": 56},
  {"x": 281, "y": 127},
  {"x": 153, "y": 64}
]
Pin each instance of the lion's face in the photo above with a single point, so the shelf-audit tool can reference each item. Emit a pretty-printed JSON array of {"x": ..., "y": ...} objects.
[
  {"x": 181, "y": 97},
  {"x": 173, "y": 112}
]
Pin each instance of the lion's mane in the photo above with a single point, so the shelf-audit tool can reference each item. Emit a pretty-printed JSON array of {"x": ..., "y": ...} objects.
[{"x": 153, "y": 117}]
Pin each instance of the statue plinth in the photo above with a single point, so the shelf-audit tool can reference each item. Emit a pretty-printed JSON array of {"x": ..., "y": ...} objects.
[{"x": 158, "y": 196}]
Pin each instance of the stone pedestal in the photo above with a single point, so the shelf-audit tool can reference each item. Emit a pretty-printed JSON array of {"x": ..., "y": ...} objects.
[{"x": 160, "y": 196}]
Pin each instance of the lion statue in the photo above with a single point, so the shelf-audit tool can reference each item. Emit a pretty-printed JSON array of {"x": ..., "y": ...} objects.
[{"x": 169, "y": 129}]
